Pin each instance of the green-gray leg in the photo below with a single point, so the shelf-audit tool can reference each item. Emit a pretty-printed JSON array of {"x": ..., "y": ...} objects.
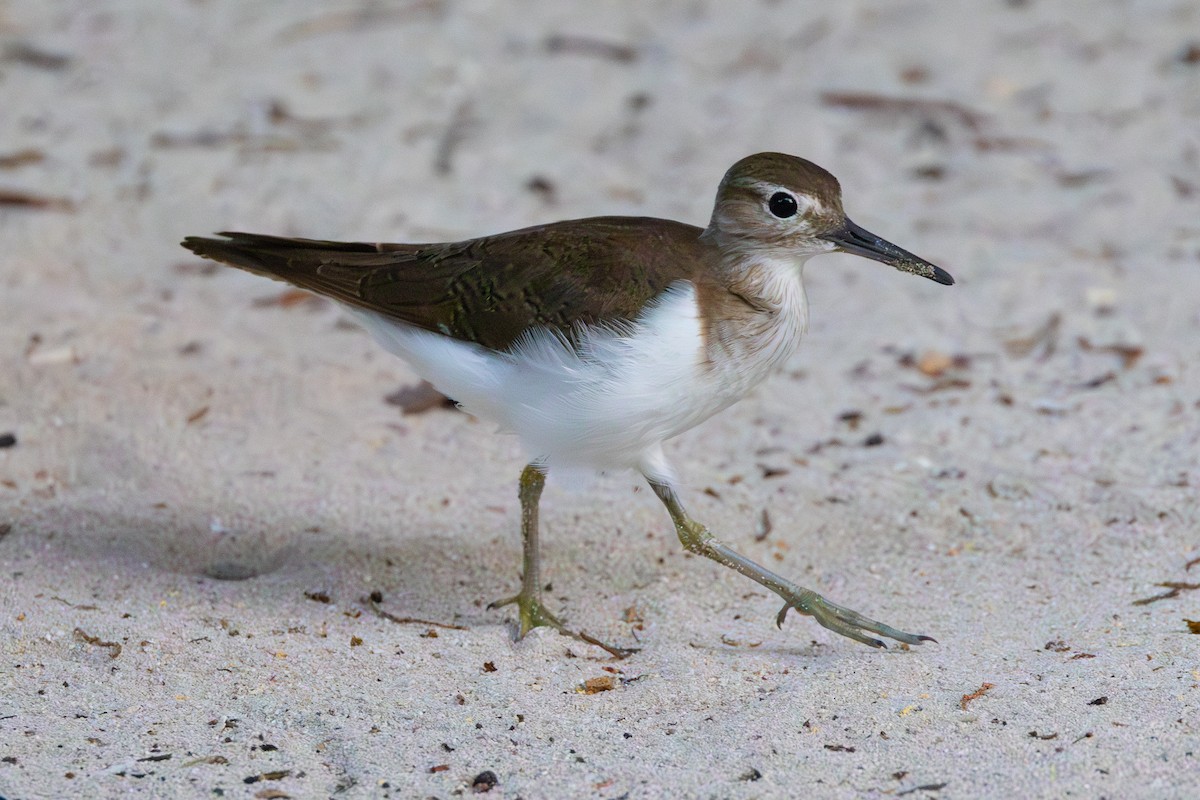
[
  {"x": 531, "y": 610},
  {"x": 529, "y": 600},
  {"x": 697, "y": 539}
]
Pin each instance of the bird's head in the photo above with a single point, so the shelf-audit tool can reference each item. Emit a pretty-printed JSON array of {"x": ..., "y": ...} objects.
[{"x": 776, "y": 204}]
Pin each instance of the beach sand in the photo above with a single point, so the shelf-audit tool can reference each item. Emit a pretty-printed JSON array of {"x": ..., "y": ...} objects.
[{"x": 204, "y": 485}]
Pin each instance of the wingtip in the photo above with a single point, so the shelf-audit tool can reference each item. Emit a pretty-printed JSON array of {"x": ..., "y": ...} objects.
[
  {"x": 204, "y": 245},
  {"x": 192, "y": 243}
]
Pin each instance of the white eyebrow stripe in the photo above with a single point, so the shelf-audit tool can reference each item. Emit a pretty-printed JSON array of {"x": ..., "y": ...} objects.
[{"x": 806, "y": 203}]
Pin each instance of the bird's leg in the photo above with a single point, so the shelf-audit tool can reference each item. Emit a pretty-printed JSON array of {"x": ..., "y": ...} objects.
[
  {"x": 531, "y": 610},
  {"x": 529, "y": 600},
  {"x": 697, "y": 539}
]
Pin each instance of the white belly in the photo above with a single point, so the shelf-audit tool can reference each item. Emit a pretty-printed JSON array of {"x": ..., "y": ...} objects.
[{"x": 608, "y": 404}]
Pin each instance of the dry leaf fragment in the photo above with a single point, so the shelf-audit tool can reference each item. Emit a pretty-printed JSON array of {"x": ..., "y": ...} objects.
[
  {"x": 84, "y": 636},
  {"x": 917, "y": 106},
  {"x": 588, "y": 46},
  {"x": 1174, "y": 587},
  {"x": 933, "y": 363},
  {"x": 276, "y": 775},
  {"x": 604, "y": 683},
  {"x": 763, "y": 529},
  {"x": 31, "y": 56},
  {"x": 1044, "y": 336},
  {"x": 1128, "y": 353},
  {"x": 22, "y": 199},
  {"x": 975, "y": 695},
  {"x": 418, "y": 398},
  {"x": 20, "y": 158}
]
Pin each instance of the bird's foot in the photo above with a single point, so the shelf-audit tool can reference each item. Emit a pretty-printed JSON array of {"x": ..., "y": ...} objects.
[
  {"x": 845, "y": 621},
  {"x": 533, "y": 614}
]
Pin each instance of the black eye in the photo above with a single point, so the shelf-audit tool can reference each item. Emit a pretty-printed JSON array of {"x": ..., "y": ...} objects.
[{"x": 782, "y": 205}]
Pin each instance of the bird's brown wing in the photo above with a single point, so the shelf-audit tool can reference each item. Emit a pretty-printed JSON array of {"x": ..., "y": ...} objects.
[{"x": 487, "y": 290}]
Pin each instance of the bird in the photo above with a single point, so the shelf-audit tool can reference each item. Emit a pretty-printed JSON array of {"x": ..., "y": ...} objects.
[{"x": 596, "y": 340}]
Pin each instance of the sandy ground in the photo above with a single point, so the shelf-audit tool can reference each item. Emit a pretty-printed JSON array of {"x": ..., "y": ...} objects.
[{"x": 204, "y": 484}]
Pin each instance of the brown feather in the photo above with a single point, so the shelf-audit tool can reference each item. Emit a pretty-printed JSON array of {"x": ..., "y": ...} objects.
[{"x": 488, "y": 290}]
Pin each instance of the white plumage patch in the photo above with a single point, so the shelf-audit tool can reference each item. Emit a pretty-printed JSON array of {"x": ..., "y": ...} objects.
[{"x": 607, "y": 403}]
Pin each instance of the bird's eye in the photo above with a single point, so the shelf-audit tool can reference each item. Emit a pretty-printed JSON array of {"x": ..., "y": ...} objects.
[{"x": 782, "y": 205}]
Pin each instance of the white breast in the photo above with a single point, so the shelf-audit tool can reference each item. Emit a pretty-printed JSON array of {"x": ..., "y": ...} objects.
[{"x": 608, "y": 403}]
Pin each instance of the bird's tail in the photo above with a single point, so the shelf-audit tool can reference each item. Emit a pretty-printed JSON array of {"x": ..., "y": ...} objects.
[{"x": 333, "y": 269}]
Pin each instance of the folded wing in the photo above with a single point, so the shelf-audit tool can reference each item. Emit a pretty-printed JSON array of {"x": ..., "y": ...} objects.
[{"x": 489, "y": 290}]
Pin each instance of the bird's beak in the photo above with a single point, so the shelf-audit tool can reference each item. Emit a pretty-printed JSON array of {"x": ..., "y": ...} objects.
[{"x": 850, "y": 238}]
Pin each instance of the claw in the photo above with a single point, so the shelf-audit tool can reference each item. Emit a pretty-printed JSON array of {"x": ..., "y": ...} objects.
[{"x": 848, "y": 623}]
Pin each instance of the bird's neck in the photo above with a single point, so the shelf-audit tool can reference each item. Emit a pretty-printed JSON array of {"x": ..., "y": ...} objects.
[{"x": 755, "y": 311}]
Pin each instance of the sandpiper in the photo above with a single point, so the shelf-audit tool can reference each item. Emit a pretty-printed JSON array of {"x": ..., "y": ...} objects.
[{"x": 597, "y": 340}]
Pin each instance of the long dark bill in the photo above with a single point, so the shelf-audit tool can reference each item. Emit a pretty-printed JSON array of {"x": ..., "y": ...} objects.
[{"x": 851, "y": 238}]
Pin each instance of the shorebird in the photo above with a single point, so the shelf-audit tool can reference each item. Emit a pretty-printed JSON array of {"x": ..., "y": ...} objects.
[{"x": 597, "y": 340}]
